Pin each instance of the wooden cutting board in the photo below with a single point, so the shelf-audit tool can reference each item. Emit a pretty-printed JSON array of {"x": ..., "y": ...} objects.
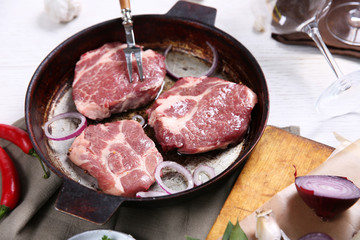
[{"x": 268, "y": 170}]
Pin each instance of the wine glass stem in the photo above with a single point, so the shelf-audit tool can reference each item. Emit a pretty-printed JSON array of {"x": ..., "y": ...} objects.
[{"x": 313, "y": 31}]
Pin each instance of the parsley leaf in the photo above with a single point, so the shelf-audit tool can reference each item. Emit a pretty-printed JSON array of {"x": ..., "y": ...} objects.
[{"x": 105, "y": 238}]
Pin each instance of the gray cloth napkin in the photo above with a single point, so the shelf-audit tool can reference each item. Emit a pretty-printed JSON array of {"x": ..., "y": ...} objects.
[{"x": 36, "y": 217}]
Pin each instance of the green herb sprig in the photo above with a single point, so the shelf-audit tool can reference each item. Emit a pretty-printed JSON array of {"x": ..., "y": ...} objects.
[{"x": 105, "y": 238}]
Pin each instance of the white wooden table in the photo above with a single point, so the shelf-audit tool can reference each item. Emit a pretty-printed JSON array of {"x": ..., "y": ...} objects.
[{"x": 296, "y": 75}]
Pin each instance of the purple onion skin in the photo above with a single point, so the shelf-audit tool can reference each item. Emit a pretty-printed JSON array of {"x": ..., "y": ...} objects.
[
  {"x": 326, "y": 207},
  {"x": 316, "y": 236}
]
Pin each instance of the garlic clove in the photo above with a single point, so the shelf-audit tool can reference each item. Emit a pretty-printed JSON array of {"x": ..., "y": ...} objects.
[
  {"x": 259, "y": 23},
  {"x": 62, "y": 11},
  {"x": 266, "y": 227}
]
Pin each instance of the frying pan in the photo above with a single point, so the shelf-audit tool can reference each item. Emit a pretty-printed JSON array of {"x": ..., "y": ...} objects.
[{"x": 187, "y": 27}]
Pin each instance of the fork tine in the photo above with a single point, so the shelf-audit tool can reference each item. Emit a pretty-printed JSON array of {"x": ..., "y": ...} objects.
[
  {"x": 138, "y": 58},
  {"x": 128, "y": 57}
]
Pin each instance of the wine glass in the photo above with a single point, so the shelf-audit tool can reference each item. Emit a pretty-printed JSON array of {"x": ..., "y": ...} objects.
[
  {"x": 343, "y": 22},
  {"x": 341, "y": 97}
]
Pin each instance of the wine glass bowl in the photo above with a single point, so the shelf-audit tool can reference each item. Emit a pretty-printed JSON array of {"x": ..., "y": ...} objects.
[
  {"x": 343, "y": 96},
  {"x": 293, "y": 15},
  {"x": 343, "y": 22}
]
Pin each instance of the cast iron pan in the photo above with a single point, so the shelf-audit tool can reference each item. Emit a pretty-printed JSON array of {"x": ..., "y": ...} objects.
[{"x": 187, "y": 27}]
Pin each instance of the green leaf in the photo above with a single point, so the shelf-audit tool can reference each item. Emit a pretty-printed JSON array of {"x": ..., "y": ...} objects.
[
  {"x": 228, "y": 230},
  {"x": 234, "y": 232},
  {"x": 237, "y": 233},
  {"x": 105, "y": 238}
]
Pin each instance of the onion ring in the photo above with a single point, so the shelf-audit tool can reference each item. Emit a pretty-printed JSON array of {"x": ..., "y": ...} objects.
[
  {"x": 74, "y": 133},
  {"x": 139, "y": 119},
  {"x": 150, "y": 194},
  {"x": 214, "y": 62},
  {"x": 176, "y": 167},
  {"x": 208, "y": 73},
  {"x": 209, "y": 171},
  {"x": 173, "y": 75}
]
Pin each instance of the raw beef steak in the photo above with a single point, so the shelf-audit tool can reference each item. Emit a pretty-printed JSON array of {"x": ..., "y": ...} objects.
[
  {"x": 201, "y": 114},
  {"x": 101, "y": 83},
  {"x": 119, "y": 155}
]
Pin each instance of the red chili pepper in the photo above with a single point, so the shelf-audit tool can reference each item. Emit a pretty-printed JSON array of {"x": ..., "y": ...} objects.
[
  {"x": 20, "y": 138},
  {"x": 10, "y": 184}
]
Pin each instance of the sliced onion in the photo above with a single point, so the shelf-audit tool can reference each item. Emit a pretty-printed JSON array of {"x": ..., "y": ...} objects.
[
  {"x": 214, "y": 62},
  {"x": 208, "y": 73},
  {"x": 173, "y": 75},
  {"x": 150, "y": 194},
  {"x": 209, "y": 171},
  {"x": 173, "y": 165},
  {"x": 316, "y": 236},
  {"x": 327, "y": 195},
  {"x": 139, "y": 119},
  {"x": 74, "y": 133}
]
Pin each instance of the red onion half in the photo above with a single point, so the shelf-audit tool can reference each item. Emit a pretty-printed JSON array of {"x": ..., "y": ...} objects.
[
  {"x": 74, "y": 133},
  {"x": 208, "y": 73},
  {"x": 316, "y": 236},
  {"x": 173, "y": 165},
  {"x": 327, "y": 195}
]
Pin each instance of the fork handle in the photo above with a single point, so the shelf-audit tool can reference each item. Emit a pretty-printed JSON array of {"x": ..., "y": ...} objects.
[{"x": 125, "y": 4}]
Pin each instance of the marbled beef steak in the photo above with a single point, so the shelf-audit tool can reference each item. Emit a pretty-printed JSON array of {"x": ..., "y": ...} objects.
[
  {"x": 119, "y": 155},
  {"x": 101, "y": 83},
  {"x": 201, "y": 114}
]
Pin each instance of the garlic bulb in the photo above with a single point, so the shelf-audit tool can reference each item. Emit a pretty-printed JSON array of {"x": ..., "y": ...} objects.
[
  {"x": 266, "y": 227},
  {"x": 62, "y": 11}
]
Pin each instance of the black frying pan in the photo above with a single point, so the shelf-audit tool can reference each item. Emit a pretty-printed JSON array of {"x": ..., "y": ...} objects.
[{"x": 187, "y": 27}]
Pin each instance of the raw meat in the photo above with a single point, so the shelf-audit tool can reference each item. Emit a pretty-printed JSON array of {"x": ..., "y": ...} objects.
[
  {"x": 201, "y": 114},
  {"x": 101, "y": 83},
  {"x": 119, "y": 155}
]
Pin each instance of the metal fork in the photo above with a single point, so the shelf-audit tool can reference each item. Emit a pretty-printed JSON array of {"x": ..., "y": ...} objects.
[{"x": 130, "y": 40}]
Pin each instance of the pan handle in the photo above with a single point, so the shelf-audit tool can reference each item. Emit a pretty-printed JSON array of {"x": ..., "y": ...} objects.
[
  {"x": 82, "y": 202},
  {"x": 193, "y": 11}
]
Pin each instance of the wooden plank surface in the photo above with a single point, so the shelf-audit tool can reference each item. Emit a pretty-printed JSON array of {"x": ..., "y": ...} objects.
[{"x": 268, "y": 170}]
